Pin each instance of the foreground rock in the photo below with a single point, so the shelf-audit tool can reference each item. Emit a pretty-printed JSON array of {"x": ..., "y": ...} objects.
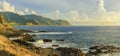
[
  {"x": 50, "y": 51},
  {"x": 8, "y": 31},
  {"x": 70, "y": 52},
  {"x": 12, "y": 48},
  {"x": 103, "y": 50}
]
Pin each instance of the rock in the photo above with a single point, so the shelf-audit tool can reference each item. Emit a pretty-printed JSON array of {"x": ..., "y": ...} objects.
[
  {"x": 43, "y": 31},
  {"x": 5, "y": 53},
  {"x": 47, "y": 40},
  {"x": 22, "y": 42},
  {"x": 9, "y": 47},
  {"x": 28, "y": 37},
  {"x": 55, "y": 46},
  {"x": 50, "y": 51},
  {"x": 103, "y": 49},
  {"x": 62, "y": 40},
  {"x": 70, "y": 52},
  {"x": 25, "y": 31}
]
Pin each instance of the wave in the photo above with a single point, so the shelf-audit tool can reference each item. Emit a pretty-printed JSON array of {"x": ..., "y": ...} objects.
[
  {"x": 53, "y": 44},
  {"x": 43, "y": 33}
]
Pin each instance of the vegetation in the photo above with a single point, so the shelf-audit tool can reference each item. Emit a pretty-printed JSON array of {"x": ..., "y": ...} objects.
[
  {"x": 14, "y": 48},
  {"x": 5, "y": 53},
  {"x": 15, "y": 19}
]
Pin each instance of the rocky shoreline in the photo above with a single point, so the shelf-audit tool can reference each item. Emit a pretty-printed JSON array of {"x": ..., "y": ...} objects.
[{"x": 21, "y": 47}]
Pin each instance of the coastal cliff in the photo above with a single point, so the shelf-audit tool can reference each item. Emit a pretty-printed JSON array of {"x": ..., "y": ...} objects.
[{"x": 30, "y": 20}]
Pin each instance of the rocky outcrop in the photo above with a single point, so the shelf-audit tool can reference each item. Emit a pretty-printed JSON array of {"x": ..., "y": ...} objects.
[
  {"x": 28, "y": 37},
  {"x": 8, "y": 31},
  {"x": 62, "y": 51},
  {"x": 9, "y": 47},
  {"x": 70, "y": 51},
  {"x": 103, "y": 49}
]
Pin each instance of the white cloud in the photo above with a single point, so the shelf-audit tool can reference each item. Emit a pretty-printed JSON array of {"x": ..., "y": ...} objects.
[
  {"x": 20, "y": 12},
  {"x": 7, "y": 7},
  {"x": 99, "y": 17},
  {"x": 56, "y": 15},
  {"x": 33, "y": 12},
  {"x": 27, "y": 11},
  {"x": 73, "y": 16},
  {"x": 101, "y": 8}
]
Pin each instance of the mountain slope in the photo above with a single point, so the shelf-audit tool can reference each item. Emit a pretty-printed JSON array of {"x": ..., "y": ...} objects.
[
  {"x": 13, "y": 18},
  {"x": 42, "y": 20},
  {"x": 46, "y": 21}
]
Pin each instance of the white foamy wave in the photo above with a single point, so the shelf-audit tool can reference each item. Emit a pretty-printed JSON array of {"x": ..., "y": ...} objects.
[
  {"x": 43, "y": 33},
  {"x": 43, "y": 44},
  {"x": 85, "y": 50}
]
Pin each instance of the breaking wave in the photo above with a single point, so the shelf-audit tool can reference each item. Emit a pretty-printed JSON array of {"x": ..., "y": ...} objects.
[{"x": 44, "y": 33}]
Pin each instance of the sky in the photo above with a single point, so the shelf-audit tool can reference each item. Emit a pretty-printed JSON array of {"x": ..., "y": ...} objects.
[{"x": 77, "y": 12}]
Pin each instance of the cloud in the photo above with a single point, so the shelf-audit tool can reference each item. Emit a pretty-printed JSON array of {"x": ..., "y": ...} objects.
[
  {"x": 20, "y": 12},
  {"x": 33, "y": 12},
  {"x": 76, "y": 11},
  {"x": 27, "y": 10},
  {"x": 101, "y": 6},
  {"x": 98, "y": 17},
  {"x": 56, "y": 15},
  {"x": 7, "y": 7}
]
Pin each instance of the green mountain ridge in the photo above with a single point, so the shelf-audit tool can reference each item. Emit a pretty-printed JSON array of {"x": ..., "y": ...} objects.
[{"x": 16, "y": 19}]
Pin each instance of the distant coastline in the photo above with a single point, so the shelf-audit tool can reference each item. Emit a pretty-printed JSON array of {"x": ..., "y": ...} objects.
[{"x": 30, "y": 20}]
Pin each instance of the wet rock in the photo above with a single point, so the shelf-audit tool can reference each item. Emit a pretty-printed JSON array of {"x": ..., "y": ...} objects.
[
  {"x": 60, "y": 40},
  {"x": 22, "y": 42},
  {"x": 47, "y": 40},
  {"x": 55, "y": 46},
  {"x": 70, "y": 52},
  {"x": 28, "y": 37},
  {"x": 103, "y": 49},
  {"x": 62, "y": 51}
]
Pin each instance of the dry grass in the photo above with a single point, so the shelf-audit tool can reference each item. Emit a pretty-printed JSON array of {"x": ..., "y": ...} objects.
[
  {"x": 7, "y": 45},
  {"x": 8, "y": 31}
]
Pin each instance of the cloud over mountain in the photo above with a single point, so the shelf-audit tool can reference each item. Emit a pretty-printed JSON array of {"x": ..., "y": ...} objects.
[{"x": 7, "y": 7}]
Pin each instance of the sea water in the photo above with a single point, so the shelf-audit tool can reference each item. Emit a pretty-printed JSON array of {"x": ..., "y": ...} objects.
[{"x": 81, "y": 36}]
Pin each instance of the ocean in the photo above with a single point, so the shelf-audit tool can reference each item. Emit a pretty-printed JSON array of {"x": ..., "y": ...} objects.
[{"x": 80, "y": 36}]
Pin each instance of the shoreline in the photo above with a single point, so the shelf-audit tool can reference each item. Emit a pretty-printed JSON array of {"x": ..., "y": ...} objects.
[{"x": 14, "y": 46}]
